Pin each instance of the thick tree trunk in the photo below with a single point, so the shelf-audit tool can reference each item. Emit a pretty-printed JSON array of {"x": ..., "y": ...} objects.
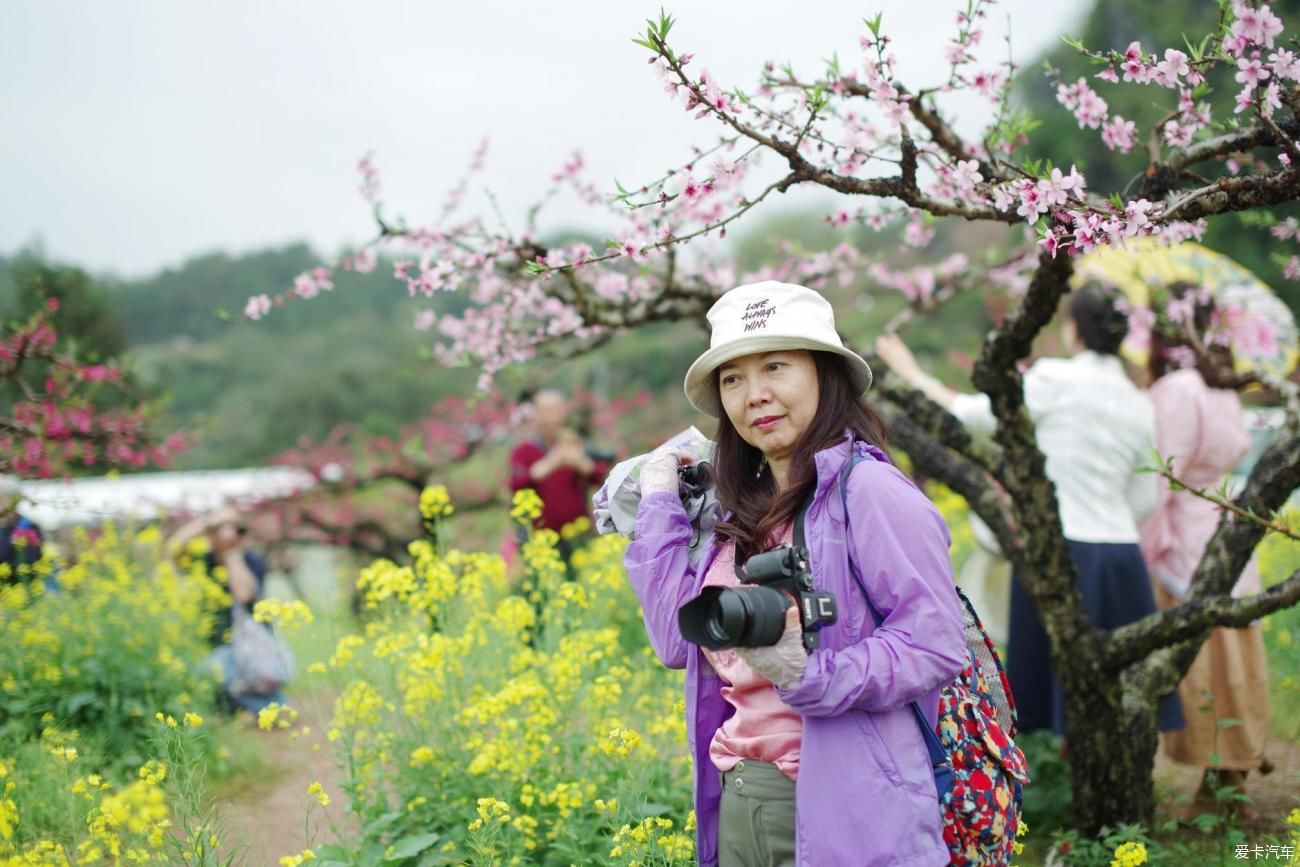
[{"x": 1111, "y": 746}]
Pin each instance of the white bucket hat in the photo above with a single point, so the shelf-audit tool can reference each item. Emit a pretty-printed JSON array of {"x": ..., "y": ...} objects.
[{"x": 765, "y": 317}]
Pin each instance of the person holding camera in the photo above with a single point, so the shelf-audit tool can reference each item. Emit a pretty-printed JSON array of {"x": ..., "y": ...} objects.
[
  {"x": 230, "y": 558},
  {"x": 555, "y": 462},
  {"x": 805, "y": 747}
]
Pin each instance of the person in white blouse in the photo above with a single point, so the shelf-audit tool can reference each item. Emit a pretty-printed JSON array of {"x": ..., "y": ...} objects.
[{"x": 1096, "y": 430}]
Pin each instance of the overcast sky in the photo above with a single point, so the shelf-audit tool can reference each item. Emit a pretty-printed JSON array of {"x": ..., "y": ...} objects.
[{"x": 136, "y": 134}]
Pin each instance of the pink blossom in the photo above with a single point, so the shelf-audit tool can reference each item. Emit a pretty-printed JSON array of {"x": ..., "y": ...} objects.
[
  {"x": 1181, "y": 230},
  {"x": 1286, "y": 230},
  {"x": 1251, "y": 70},
  {"x": 1140, "y": 321},
  {"x": 257, "y": 307},
  {"x": 579, "y": 254},
  {"x": 1235, "y": 45},
  {"x": 1177, "y": 134},
  {"x": 966, "y": 175},
  {"x": 1182, "y": 310},
  {"x": 1173, "y": 67},
  {"x": 722, "y": 167},
  {"x": 1272, "y": 100},
  {"x": 1003, "y": 198},
  {"x": 840, "y": 218},
  {"x": 1117, "y": 134},
  {"x": 1031, "y": 201},
  {"x": 1257, "y": 336},
  {"x": 370, "y": 187},
  {"x": 987, "y": 83},
  {"x": 1259, "y": 26},
  {"x": 304, "y": 286},
  {"x": 917, "y": 233},
  {"x": 364, "y": 260},
  {"x": 1133, "y": 67},
  {"x": 632, "y": 248},
  {"x": 1244, "y": 100},
  {"x": 1292, "y": 269},
  {"x": 1068, "y": 95},
  {"x": 693, "y": 190},
  {"x": 1087, "y": 231},
  {"x": 1285, "y": 64},
  {"x": 1181, "y": 357},
  {"x": 425, "y": 320},
  {"x": 1284, "y": 159},
  {"x": 1055, "y": 189},
  {"x": 1109, "y": 74},
  {"x": 1138, "y": 218},
  {"x": 1091, "y": 110},
  {"x": 96, "y": 373},
  {"x": 1050, "y": 242}
]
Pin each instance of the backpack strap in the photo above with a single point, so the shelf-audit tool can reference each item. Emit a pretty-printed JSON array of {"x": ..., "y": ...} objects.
[{"x": 940, "y": 765}]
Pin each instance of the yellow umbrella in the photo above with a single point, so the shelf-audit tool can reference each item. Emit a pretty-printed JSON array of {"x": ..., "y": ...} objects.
[{"x": 1262, "y": 329}]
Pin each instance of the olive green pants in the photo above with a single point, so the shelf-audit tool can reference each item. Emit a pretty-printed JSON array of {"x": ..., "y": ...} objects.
[{"x": 756, "y": 824}]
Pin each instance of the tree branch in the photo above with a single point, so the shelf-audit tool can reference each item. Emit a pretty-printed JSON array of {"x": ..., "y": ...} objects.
[
  {"x": 1271, "y": 482},
  {"x": 1192, "y": 619}
]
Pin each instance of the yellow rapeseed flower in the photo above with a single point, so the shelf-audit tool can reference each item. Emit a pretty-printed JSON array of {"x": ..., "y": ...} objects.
[
  {"x": 526, "y": 506},
  {"x": 317, "y": 792},
  {"x": 1129, "y": 854},
  {"x": 435, "y": 502}
]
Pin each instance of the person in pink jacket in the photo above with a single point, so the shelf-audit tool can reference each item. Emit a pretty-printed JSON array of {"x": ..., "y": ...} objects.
[
  {"x": 1199, "y": 425},
  {"x": 803, "y": 758}
]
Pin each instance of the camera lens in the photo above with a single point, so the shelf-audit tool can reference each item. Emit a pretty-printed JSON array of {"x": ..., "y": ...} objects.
[
  {"x": 745, "y": 617},
  {"x": 726, "y": 617}
]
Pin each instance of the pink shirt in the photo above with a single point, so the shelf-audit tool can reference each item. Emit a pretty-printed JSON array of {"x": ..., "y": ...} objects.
[
  {"x": 1203, "y": 430},
  {"x": 763, "y": 727}
]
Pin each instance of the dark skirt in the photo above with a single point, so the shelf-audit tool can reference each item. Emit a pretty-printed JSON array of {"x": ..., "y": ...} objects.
[{"x": 1112, "y": 578}]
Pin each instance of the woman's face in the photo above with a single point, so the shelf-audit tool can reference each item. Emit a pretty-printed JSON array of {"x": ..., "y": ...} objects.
[{"x": 770, "y": 398}]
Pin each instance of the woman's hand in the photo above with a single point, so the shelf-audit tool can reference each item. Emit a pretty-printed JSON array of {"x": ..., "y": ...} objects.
[
  {"x": 784, "y": 662},
  {"x": 659, "y": 472}
]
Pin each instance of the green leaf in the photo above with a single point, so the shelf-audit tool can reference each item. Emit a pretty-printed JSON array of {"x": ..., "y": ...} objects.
[
  {"x": 873, "y": 24},
  {"x": 665, "y": 24},
  {"x": 410, "y": 846},
  {"x": 77, "y": 701},
  {"x": 332, "y": 853},
  {"x": 380, "y": 823}
]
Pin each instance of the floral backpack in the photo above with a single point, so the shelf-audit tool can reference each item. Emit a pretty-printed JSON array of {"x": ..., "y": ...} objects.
[{"x": 979, "y": 772}]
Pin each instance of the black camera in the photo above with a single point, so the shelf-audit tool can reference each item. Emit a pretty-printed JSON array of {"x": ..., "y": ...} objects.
[
  {"x": 754, "y": 616},
  {"x": 694, "y": 479}
]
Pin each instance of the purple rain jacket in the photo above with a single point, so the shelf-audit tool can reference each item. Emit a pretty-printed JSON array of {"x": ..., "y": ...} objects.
[{"x": 865, "y": 794}]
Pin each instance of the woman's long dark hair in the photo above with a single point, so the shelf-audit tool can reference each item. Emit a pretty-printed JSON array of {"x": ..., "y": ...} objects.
[
  {"x": 1215, "y": 363},
  {"x": 746, "y": 488}
]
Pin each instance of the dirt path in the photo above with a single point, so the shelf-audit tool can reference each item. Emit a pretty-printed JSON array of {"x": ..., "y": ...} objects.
[
  {"x": 269, "y": 816},
  {"x": 1274, "y": 795}
]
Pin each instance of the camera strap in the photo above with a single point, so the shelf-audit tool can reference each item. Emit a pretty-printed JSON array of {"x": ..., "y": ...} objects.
[{"x": 943, "y": 777}]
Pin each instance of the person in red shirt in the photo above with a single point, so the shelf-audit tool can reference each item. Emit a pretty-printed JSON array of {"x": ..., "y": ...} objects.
[{"x": 555, "y": 463}]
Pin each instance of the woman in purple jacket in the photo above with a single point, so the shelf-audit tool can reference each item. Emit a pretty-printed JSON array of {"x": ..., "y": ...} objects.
[{"x": 810, "y": 759}]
